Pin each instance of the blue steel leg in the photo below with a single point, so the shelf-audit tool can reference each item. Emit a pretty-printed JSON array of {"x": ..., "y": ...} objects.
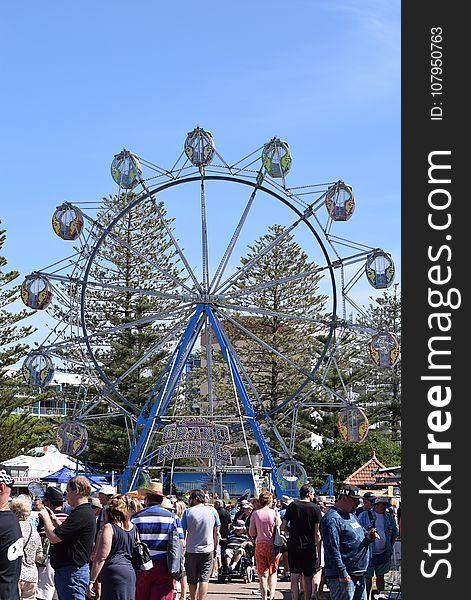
[
  {"x": 136, "y": 458},
  {"x": 249, "y": 410}
]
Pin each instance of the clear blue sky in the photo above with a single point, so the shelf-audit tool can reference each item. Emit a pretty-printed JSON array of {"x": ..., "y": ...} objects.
[{"x": 83, "y": 80}]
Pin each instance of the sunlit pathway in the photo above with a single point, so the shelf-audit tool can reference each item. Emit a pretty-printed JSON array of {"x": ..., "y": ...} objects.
[{"x": 238, "y": 590}]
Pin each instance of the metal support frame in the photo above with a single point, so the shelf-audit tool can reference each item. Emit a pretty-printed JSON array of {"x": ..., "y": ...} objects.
[
  {"x": 174, "y": 369},
  {"x": 137, "y": 455}
]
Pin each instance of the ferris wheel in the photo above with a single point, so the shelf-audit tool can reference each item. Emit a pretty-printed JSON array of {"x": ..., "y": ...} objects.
[{"x": 233, "y": 290}]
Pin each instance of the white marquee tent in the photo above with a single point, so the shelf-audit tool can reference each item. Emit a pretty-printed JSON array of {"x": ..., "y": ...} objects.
[{"x": 26, "y": 468}]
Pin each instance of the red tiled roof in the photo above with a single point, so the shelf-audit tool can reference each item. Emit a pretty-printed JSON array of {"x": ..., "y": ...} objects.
[{"x": 365, "y": 476}]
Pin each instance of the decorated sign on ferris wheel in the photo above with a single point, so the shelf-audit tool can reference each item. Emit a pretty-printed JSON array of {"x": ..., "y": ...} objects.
[
  {"x": 195, "y": 439},
  {"x": 196, "y": 430},
  {"x": 194, "y": 449}
]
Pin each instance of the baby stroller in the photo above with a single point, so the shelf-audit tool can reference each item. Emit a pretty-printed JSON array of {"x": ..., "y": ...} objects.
[{"x": 244, "y": 569}]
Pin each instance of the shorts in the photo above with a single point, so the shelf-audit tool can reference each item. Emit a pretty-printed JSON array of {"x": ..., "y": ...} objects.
[
  {"x": 198, "y": 566},
  {"x": 378, "y": 565},
  {"x": 231, "y": 552},
  {"x": 302, "y": 561},
  {"x": 265, "y": 561}
]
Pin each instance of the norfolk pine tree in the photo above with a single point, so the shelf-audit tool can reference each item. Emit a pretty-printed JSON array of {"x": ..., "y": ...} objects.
[
  {"x": 141, "y": 229},
  {"x": 18, "y": 432}
]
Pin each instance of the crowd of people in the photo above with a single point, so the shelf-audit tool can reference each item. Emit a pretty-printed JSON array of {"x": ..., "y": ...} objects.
[{"x": 76, "y": 546}]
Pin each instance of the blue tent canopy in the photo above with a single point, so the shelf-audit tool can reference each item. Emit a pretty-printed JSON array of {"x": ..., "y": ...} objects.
[{"x": 63, "y": 475}]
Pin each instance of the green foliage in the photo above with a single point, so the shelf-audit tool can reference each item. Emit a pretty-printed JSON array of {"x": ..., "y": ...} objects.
[
  {"x": 122, "y": 297},
  {"x": 381, "y": 394},
  {"x": 341, "y": 459},
  {"x": 298, "y": 340},
  {"x": 19, "y": 430}
]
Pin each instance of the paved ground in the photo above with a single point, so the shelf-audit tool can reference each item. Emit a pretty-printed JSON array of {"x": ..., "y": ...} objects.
[{"x": 238, "y": 590}]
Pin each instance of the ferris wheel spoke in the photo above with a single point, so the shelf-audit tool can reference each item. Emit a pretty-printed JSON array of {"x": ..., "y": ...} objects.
[
  {"x": 151, "y": 194},
  {"x": 167, "y": 339},
  {"x": 230, "y": 281},
  {"x": 175, "y": 243},
  {"x": 204, "y": 235},
  {"x": 271, "y": 313},
  {"x": 97, "y": 400},
  {"x": 136, "y": 323},
  {"x": 245, "y": 291},
  {"x": 116, "y": 287},
  {"x": 235, "y": 236},
  {"x": 133, "y": 290},
  {"x": 146, "y": 260},
  {"x": 315, "y": 390},
  {"x": 265, "y": 345}
]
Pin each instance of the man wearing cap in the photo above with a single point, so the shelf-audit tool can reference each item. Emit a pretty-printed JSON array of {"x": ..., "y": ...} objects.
[
  {"x": 96, "y": 506},
  {"x": 368, "y": 503},
  {"x": 346, "y": 547},
  {"x": 302, "y": 519},
  {"x": 105, "y": 493},
  {"x": 201, "y": 524},
  {"x": 237, "y": 542},
  {"x": 382, "y": 548},
  {"x": 154, "y": 524},
  {"x": 72, "y": 541},
  {"x": 54, "y": 500},
  {"x": 11, "y": 540},
  {"x": 244, "y": 512}
]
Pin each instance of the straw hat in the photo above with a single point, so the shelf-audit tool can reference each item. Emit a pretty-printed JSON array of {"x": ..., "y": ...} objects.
[
  {"x": 135, "y": 494},
  {"x": 286, "y": 499},
  {"x": 153, "y": 487}
]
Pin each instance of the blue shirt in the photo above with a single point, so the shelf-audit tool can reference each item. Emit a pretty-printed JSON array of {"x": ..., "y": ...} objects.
[
  {"x": 390, "y": 529},
  {"x": 346, "y": 548},
  {"x": 154, "y": 524}
]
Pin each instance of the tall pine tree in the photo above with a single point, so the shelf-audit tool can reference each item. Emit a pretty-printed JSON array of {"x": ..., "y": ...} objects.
[
  {"x": 125, "y": 274},
  {"x": 20, "y": 431},
  {"x": 270, "y": 345},
  {"x": 382, "y": 394}
]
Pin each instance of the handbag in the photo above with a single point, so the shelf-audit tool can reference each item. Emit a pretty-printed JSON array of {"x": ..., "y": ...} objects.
[
  {"x": 140, "y": 556},
  {"x": 279, "y": 540},
  {"x": 175, "y": 554},
  {"x": 46, "y": 544},
  {"x": 25, "y": 559}
]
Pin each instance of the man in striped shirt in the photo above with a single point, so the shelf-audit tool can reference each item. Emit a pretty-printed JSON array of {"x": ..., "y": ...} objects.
[{"x": 154, "y": 523}]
